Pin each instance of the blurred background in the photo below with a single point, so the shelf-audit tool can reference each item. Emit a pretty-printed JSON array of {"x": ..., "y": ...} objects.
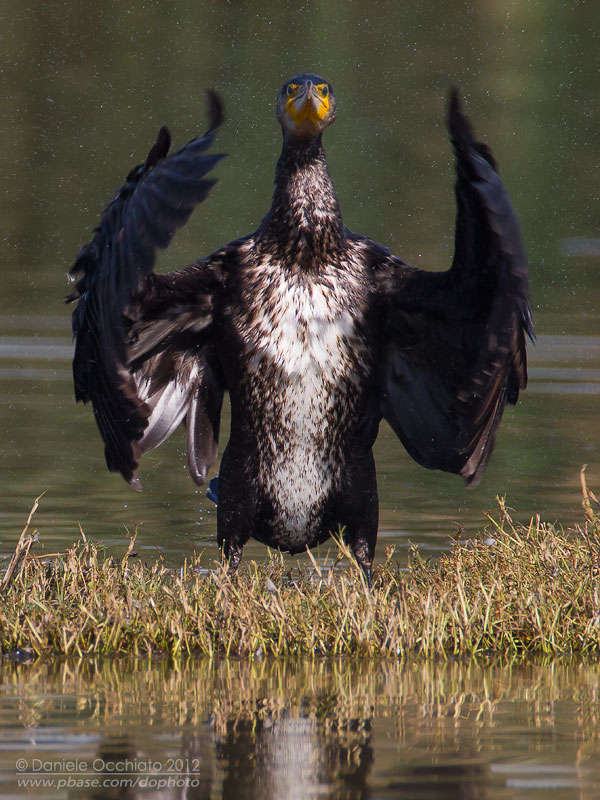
[{"x": 85, "y": 88}]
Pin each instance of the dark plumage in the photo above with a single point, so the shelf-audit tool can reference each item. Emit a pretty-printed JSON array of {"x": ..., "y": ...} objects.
[{"x": 316, "y": 333}]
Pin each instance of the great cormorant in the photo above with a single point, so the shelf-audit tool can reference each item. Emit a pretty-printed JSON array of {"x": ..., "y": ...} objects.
[{"x": 317, "y": 333}]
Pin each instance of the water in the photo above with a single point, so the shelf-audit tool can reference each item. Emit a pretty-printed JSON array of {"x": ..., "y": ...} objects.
[
  {"x": 265, "y": 729},
  {"x": 86, "y": 87}
]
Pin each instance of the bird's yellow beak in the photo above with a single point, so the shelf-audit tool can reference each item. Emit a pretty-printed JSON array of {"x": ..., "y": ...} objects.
[{"x": 307, "y": 102}]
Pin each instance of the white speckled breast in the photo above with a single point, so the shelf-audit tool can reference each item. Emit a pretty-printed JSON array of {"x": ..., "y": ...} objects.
[{"x": 305, "y": 362}]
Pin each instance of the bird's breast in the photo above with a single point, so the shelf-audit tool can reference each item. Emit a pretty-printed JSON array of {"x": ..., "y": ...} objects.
[
  {"x": 301, "y": 331},
  {"x": 306, "y": 330}
]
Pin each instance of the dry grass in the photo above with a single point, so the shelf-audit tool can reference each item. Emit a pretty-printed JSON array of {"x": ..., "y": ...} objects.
[{"x": 515, "y": 589}]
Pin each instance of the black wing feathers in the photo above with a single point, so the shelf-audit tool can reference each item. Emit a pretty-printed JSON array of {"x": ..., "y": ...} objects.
[
  {"x": 130, "y": 323},
  {"x": 456, "y": 340}
]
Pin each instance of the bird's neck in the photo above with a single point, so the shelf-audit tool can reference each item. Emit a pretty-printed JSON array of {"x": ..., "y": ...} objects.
[{"x": 305, "y": 218}]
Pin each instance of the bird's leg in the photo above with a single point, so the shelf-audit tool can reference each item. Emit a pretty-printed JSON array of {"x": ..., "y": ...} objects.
[
  {"x": 234, "y": 519},
  {"x": 364, "y": 552},
  {"x": 231, "y": 553},
  {"x": 360, "y": 512}
]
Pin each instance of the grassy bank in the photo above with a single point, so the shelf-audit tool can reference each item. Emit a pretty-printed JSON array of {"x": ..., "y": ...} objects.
[{"x": 515, "y": 589}]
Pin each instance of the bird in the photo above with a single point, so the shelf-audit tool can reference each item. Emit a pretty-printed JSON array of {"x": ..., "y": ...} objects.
[{"x": 316, "y": 333}]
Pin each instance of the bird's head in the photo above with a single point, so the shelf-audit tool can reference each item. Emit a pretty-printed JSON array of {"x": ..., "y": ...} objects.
[{"x": 305, "y": 106}]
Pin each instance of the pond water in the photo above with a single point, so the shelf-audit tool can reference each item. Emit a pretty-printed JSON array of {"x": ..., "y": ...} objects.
[
  {"x": 264, "y": 729},
  {"x": 86, "y": 87}
]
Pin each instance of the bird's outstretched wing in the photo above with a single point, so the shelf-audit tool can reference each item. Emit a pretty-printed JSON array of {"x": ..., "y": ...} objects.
[
  {"x": 142, "y": 351},
  {"x": 455, "y": 341}
]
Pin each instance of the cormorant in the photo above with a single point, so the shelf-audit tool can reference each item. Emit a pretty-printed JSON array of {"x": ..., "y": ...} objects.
[{"x": 317, "y": 333}]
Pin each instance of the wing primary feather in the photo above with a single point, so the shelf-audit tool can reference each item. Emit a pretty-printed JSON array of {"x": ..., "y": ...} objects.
[
  {"x": 159, "y": 149},
  {"x": 216, "y": 110}
]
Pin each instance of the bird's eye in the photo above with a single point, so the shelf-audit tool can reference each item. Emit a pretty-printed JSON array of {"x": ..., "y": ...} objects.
[
  {"x": 324, "y": 91},
  {"x": 291, "y": 89}
]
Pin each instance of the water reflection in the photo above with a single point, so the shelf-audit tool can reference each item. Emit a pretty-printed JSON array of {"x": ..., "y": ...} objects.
[{"x": 279, "y": 729}]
